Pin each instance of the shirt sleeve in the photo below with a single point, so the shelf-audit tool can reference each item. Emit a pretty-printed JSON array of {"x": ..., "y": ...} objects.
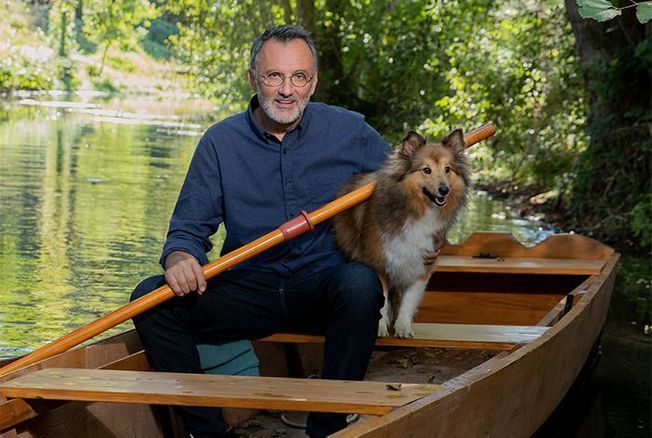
[
  {"x": 198, "y": 211},
  {"x": 375, "y": 147}
]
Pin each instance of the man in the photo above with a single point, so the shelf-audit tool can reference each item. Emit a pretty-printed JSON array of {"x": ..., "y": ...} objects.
[{"x": 252, "y": 172}]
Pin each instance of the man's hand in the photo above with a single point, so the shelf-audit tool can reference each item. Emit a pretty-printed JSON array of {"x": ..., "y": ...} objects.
[
  {"x": 183, "y": 274},
  {"x": 438, "y": 241}
]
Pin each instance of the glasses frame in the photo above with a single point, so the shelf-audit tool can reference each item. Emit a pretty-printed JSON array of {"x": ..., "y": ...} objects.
[{"x": 309, "y": 78}]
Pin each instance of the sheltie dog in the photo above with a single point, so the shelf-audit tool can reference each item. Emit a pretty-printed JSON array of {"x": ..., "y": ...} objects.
[{"x": 420, "y": 189}]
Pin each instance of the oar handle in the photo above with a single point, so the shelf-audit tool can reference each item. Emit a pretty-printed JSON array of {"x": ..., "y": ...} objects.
[{"x": 211, "y": 269}]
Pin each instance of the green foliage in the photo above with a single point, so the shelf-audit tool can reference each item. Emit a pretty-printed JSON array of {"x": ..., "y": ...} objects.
[
  {"x": 635, "y": 280},
  {"x": 121, "y": 63},
  {"x": 155, "y": 42},
  {"x": 641, "y": 220},
  {"x": 519, "y": 70},
  {"x": 18, "y": 71},
  {"x": 122, "y": 21},
  {"x": 603, "y": 10},
  {"x": 103, "y": 84},
  {"x": 214, "y": 40},
  {"x": 644, "y": 12},
  {"x": 611, "y": 190},
  {"x": 62, "y": 27}
]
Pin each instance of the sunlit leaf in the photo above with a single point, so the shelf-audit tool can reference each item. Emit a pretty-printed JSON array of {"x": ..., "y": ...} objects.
[
  {"x": 644, "y": 12},
  {"x": 598, "y": 4},
  {"x": 599, "y": 14}
]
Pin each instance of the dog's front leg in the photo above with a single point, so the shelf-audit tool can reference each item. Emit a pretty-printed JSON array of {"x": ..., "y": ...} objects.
[
  {"x": 409, "y": 303},
  {"x": 384, "y": 323}
]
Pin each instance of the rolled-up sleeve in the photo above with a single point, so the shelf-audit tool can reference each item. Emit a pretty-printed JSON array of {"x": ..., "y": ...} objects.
[{"x": 198, "y": 211}]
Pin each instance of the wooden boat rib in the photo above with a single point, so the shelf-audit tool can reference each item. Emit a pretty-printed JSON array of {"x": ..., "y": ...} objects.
[{"x": 502, "y": 333}]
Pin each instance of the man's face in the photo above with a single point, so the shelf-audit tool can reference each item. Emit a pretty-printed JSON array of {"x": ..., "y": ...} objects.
[{"x": 284, "y": 104}]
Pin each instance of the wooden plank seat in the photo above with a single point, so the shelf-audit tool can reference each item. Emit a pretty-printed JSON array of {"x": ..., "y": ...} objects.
[
  {"x": 474, "y": 336},
  {"x": 518, "y": 265},
  {"x": 92, "y": 385}
]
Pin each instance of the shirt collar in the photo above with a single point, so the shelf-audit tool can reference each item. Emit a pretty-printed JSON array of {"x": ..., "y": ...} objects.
[{"x": 262, "y": 134}]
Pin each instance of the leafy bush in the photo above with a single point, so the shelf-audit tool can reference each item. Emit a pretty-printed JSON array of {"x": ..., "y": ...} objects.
[
  {"x": 641, "y": 224},
  {"x": 121, "y": 63},
  {"x": 19, "y": 72}
]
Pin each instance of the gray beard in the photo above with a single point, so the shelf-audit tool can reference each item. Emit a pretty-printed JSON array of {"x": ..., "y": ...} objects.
[{"x": 267, "y": 107}]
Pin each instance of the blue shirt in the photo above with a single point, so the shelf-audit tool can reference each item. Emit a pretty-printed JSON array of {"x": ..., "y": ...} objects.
[{"x": 251, "y": 182}]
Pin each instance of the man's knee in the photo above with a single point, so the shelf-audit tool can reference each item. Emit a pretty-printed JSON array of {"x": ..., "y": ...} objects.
[
  {"x": 359, "y": 283},
  {"x": 147, "y": 285}
]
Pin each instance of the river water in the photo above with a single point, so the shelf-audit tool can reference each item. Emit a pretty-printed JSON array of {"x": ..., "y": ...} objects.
[{"x": 86, "y": 191}]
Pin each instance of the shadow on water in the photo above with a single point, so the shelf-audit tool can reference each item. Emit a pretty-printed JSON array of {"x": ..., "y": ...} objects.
[{"x": 86, "y": 191}]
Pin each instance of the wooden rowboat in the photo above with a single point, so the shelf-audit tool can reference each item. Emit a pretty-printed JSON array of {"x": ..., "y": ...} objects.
[{"x": 501, "y": 335}]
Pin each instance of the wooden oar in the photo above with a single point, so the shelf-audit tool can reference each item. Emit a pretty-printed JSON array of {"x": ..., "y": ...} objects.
[{"x": 287, "y": 231}]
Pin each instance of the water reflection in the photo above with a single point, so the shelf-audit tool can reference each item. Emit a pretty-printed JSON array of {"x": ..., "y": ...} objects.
[{"x": 86, "y": 191}]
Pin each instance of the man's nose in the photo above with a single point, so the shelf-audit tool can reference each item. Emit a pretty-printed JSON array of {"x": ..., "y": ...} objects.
[{"x": 286, "y": 87}]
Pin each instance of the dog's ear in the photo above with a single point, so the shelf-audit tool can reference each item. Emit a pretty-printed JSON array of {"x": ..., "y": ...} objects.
[
  {"x": 411, "y": 143},
  {"x": 454, "y": 141}
]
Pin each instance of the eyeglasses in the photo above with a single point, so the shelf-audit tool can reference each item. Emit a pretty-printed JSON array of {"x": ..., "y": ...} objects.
[{"x": 276, "y": 79}]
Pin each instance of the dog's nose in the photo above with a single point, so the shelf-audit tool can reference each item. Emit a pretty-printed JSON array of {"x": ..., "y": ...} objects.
[{"x": 443, "y": 189}]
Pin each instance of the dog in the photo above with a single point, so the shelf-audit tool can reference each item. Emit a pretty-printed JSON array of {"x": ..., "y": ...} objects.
[{"x": 419, "y": 192}]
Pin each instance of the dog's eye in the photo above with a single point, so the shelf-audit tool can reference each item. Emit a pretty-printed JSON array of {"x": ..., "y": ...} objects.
[
  {"x": 448, "y": 169},
  {"x": 427, "y": 170}
]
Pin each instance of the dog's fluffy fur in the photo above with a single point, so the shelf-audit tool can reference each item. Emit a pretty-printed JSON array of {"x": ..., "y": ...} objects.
[{"x": 419, "y": 192}]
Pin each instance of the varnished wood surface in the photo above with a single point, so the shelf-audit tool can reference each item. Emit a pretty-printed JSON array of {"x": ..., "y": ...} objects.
[
  {"x": 111, "y": 353},
  {"x": 495, "y": 308},
  {"x": 473, "y": 336},
  {"x": 214, "y": 390},
  {"x": 518, "y": 265},
  {"x": 558, "y": 246}
]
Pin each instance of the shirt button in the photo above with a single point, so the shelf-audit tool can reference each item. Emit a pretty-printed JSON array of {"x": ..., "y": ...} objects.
[{"x": 285, "y": 150}]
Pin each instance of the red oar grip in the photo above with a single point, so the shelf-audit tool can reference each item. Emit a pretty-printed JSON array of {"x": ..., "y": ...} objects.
[{"x": 297, "y": 226}]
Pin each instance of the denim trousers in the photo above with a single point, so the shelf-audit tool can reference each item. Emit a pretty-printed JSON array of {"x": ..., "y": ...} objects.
[{"x": 343, "y": 303}]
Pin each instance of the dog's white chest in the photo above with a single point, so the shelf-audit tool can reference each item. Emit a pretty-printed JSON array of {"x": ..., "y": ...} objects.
[{"x": 405, "y": 251}]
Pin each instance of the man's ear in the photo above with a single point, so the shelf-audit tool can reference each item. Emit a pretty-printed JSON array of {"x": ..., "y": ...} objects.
[
  {"x": 252, "y": 78},
  {"x": 411, "y": 143},
  {"x": 313, "y": 83}
]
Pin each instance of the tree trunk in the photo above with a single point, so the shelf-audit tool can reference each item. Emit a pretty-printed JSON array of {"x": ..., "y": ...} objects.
[
  {"x": 63, "y": 52},
  {"x": 106, "y": 51},
  {"x": 306, "y": 14},
  {"x": 614, "y": 172}
]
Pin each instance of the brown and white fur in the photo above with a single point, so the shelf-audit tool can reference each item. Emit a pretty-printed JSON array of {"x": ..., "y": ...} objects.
[{"x": 420, "y": 189}]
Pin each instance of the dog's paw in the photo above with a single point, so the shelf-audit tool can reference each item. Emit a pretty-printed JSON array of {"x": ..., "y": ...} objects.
[
  {"x": 383, "y": 328},
  {"x": 403, "y": 328}
]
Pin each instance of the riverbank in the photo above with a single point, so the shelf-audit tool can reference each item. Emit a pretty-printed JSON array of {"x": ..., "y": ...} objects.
[{"x": 28, "y": 61}]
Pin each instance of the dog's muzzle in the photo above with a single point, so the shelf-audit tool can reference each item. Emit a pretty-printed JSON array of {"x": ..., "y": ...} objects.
[{"x": 439, "y": 201}]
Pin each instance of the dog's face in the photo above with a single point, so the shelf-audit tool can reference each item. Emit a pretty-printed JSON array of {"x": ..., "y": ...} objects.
[{"x": 438, "y": 173}]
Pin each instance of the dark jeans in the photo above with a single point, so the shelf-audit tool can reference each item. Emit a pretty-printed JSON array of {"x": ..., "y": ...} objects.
[{"x": 343, "y": 303}]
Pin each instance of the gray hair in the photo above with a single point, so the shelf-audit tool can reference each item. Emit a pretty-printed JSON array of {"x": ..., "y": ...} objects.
[{"x": 284, "y": 33}]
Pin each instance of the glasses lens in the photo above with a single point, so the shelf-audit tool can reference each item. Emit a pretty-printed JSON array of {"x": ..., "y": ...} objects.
[
  {"x": 299, "y": 80},
  {"x": 273, "y": 80}
]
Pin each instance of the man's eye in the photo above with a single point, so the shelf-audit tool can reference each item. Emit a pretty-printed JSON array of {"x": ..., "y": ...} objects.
[
  {"x": 275, "y": 75},
  {"x": 301, "y": 76}
]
